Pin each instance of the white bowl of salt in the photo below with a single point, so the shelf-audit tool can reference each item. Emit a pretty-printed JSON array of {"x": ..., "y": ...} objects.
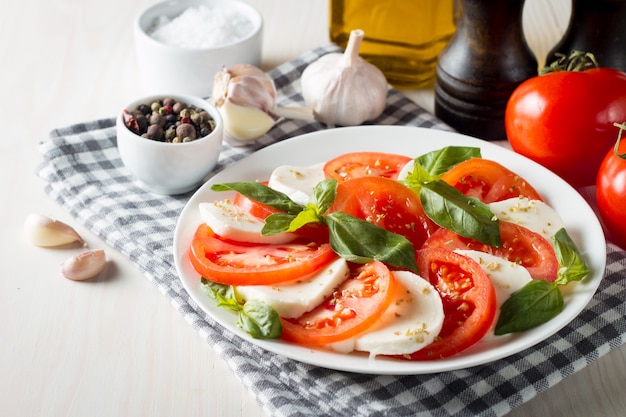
[{"x": 182, "y": 44}]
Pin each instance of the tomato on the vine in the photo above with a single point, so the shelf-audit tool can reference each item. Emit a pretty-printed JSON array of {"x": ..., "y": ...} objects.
[
  {"x": 611, "y": 191},
  {"x": 564, "y": 120}
]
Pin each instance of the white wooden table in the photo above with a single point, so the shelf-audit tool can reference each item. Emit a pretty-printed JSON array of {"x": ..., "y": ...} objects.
[{"x": 116, "y": 347}]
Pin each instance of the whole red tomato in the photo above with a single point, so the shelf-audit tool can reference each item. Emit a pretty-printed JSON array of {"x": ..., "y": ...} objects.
[
  {"x": 564, "y": 120},
  {"x": 611, "y": 191}
]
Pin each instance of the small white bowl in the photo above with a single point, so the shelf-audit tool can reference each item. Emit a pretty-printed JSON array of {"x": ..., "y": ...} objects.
[
  {"x": 166, "y": 68},
  {"x": 170, "y": 168}
]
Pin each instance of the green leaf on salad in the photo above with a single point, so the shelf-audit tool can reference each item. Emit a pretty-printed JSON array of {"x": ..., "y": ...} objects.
[
  {"x": 416, "y": 178},
  {"x": 572, "y": 266},
  {"x": 261, "y": 193},
  {"x": 359, "y": 241},
  {"x": 535, "y": 303},
  {"x": 277, "y": 223},
  {"x": 440, "y": 161},
  {"x": 255, "y": 317},
  {"x": 323, "y": 195},
  {"x": 260, "y": 320},
  {"x": 466, "y": 216}
]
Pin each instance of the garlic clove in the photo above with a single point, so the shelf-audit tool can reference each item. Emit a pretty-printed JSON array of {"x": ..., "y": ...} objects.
[
  {"x": 245, "y": 85},
  {"x": 253, "y": 91},
  {"x": 245, "y": 124},
  {"x": 85, "y": 265},
  {"x": 238, "y": 92},
  {"x": 46, "y": 232}
]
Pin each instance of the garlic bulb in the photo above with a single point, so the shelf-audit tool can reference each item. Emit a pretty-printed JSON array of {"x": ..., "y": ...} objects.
[
  {"x": 246, "y": 99},
  {"x": 343, "y": 89},
  {"x": 85, "y": 265},
  {"x": 46, "y": 232}
]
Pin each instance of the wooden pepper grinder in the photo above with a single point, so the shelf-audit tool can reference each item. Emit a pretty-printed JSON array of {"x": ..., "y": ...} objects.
[
  {"x": 596, "y": 26},
  {"x": 487, "y": 58}
]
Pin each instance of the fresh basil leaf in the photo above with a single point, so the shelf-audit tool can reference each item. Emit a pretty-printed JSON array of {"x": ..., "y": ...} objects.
[
  {"x": 261, "y": 193},
  {"x": 306, "y": 216},
  {"x": 535, "y": 303},
  {"x": 359, "y": 241},
  {"x": 572, "y": 266},
  {"x": 466, "y": 216},
  {"x": 255, "y": 317},
  {"x": 417, "y": 177},
  {"x": 213, "y": 288},
  {"x": 324, "y": 194},
  {"x": 260, "y": 320},
  {"x": 277, "y": 223},
  {"x": 224, "y": 295},
  {"x": 438, "y": 162}
]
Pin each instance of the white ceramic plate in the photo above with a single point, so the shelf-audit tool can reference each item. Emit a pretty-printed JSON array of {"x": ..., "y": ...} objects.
[{"x": 580, "y": 220}]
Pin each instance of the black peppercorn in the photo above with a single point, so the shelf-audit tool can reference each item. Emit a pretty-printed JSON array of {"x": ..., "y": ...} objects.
[{"x": 145, "y": 109}]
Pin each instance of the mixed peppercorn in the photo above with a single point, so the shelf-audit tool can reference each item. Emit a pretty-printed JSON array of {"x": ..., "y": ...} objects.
[{"x": 168, "y": 120}]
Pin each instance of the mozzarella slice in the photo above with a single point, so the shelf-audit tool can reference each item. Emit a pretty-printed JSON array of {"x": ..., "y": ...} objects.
[
  {"x": 531, "y": 214},
  {"x": 294, "y": 299},
  {"x": 412, "y": 322},
  {"x": 506, "y": 277},
  {"x": 231, "y": 222},
  {"x": 406, "y": 170},
  {"x": 297, "y": 182}
]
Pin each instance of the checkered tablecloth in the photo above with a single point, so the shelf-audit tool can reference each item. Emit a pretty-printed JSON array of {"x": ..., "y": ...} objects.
[{"x": 85, "y": 175}]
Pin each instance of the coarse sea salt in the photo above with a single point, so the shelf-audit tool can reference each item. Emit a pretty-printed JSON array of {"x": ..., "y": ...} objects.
[{"x": 202, "y": 27}]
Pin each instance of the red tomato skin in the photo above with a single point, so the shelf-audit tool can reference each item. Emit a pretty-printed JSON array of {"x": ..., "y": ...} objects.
[
  {"x": 611, "y": 195},
  {"x": 387, "y": 204},
  {"x": 360, "y": 164},
  {"x": 564, "y": 120},
  {"x": 489, "y": 181},
  {"x": 480, "y": 297},
  {"x": 222, "y": 261},
  {"x": 356, "y": 306},
  {"x": 519, "y": 244}
]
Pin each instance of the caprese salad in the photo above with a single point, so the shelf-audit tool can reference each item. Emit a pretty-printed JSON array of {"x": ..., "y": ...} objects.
[{"x": 416, "y": 259}]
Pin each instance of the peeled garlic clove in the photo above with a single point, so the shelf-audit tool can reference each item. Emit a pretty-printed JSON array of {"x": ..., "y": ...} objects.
[
  {"x": 344, "y": 89},
  {"x": 245, "y": 124},
  {"x": 85, "y": 265},
  {"x": 46, "y": 232}
]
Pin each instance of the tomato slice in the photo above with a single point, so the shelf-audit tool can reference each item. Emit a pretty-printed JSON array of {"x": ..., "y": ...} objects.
[
  {"x": 365, "y": 164},
  {"x": 312, "y": 231},
  {"x": 240, "y": 263},
  {"x": 254, "y": 208},
  {"x": 488, "y": 181},
  {"x": 350, "y": 310},
  {"x": 519, "y": 245},
  {"x": 387, "y": 204},
  {"x": 469, "y": 301}
]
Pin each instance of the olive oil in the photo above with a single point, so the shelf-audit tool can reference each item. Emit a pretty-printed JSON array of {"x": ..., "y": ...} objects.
[{"x": 403, "y": 38}]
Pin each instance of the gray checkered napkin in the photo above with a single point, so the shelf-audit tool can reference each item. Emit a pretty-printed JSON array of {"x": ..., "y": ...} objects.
[{"x": 85, "y": 175}]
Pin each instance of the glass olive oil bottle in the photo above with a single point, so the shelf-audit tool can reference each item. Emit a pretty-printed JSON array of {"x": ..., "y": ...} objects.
[{"x": 402, "y": 37}]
